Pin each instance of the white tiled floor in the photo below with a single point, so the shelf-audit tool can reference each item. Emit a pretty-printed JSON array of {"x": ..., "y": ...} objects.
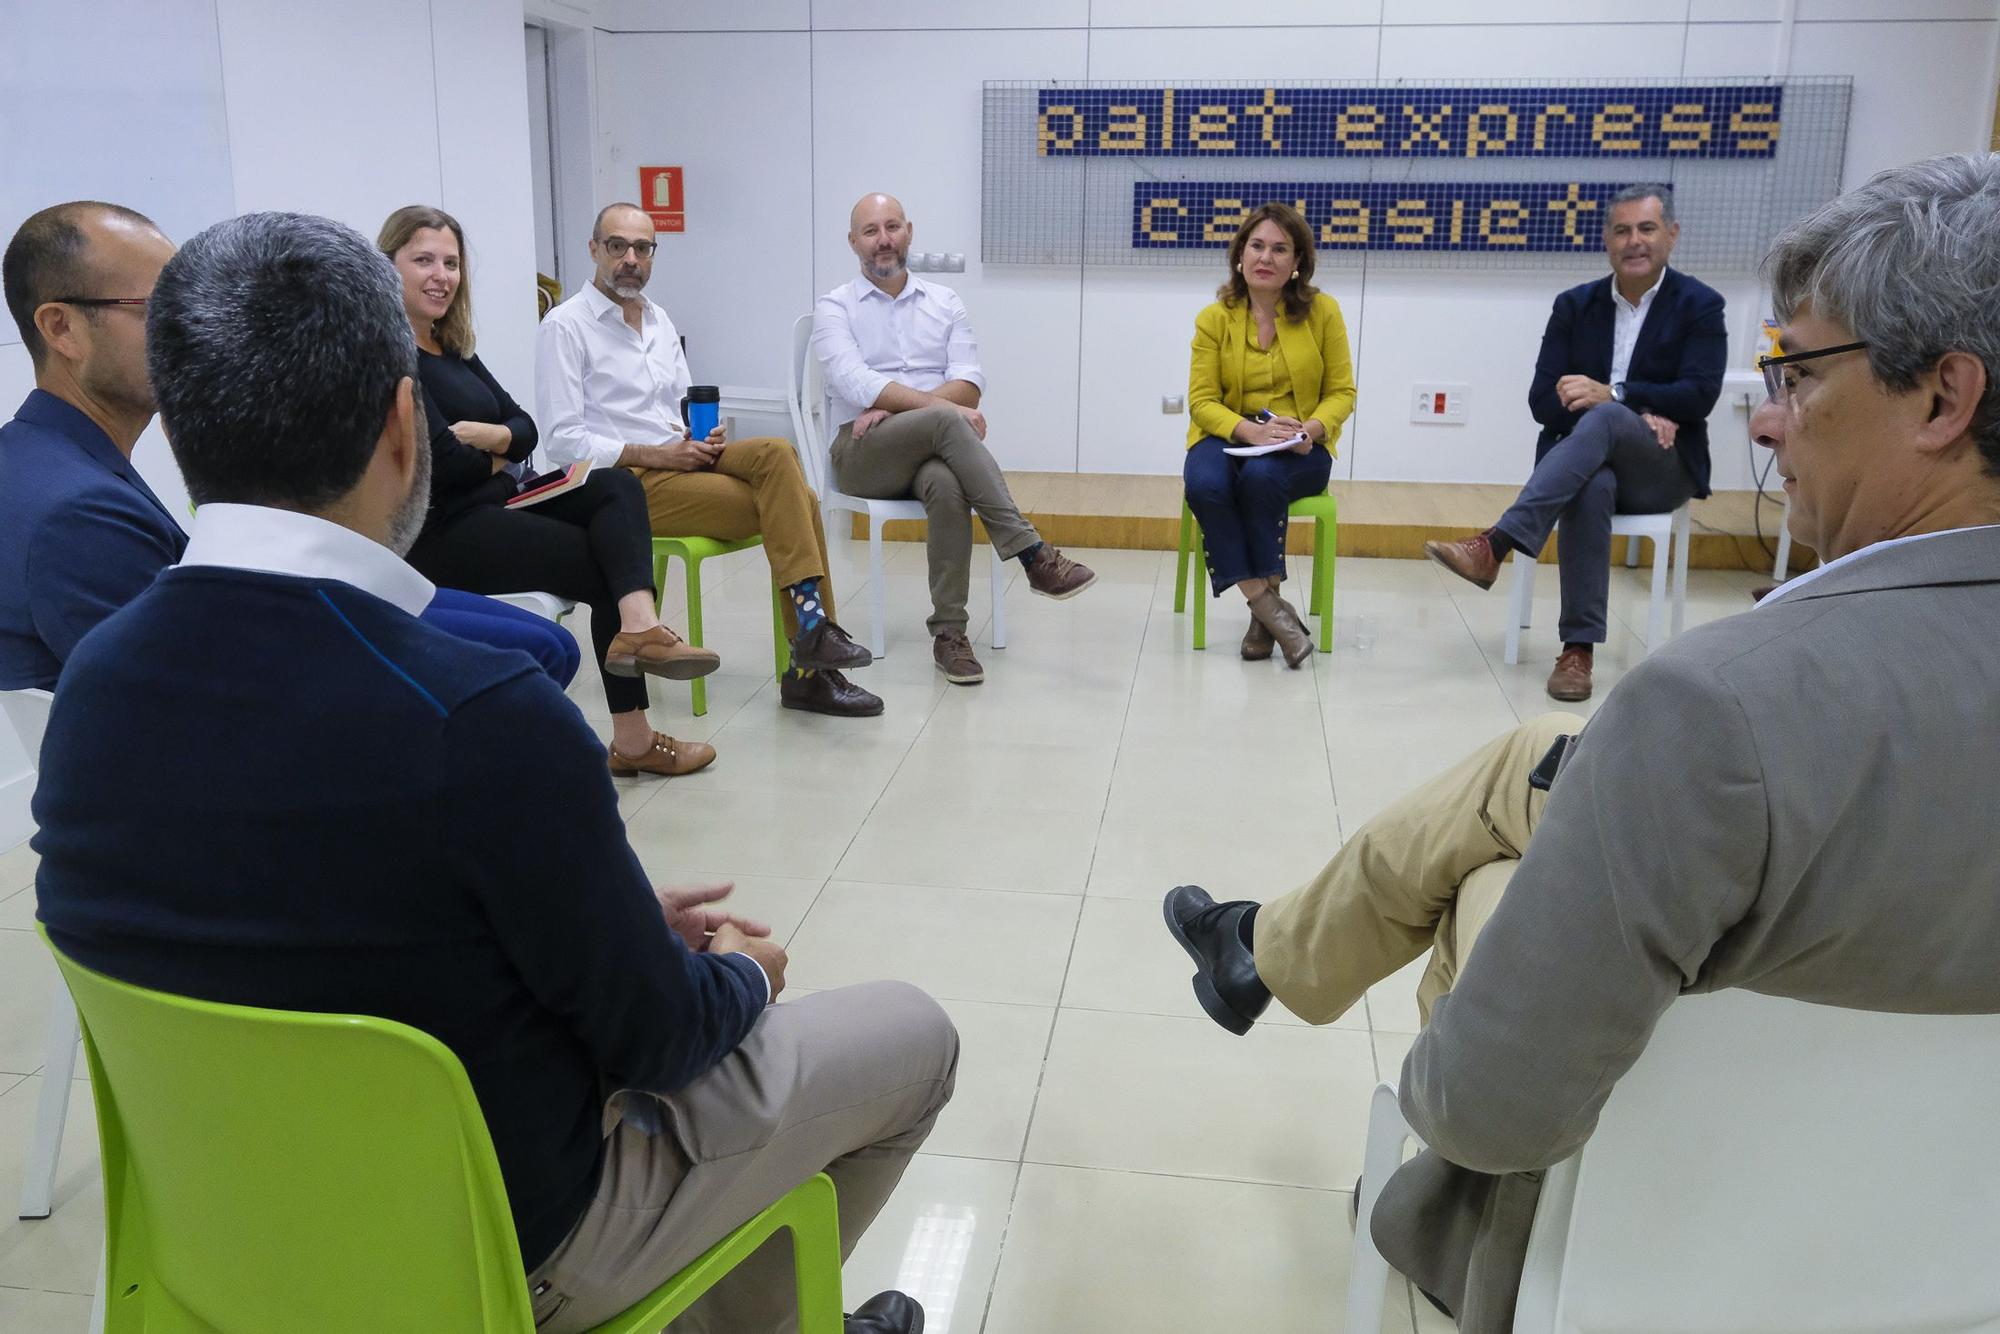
[{"x": 1113, "y": 1161}]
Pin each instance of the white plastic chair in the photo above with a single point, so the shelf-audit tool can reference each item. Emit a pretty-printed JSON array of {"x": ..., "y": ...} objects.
[
  {"x": 546, "y": 605},
  {"x": 1665, "y": 531},
  {"x": 1766, "y": 1165},
  {"x": 809, "y": 424},
  {"x": 28, "y": 712}
]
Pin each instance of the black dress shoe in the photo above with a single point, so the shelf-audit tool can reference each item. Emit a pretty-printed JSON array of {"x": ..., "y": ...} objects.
[
  {"x": 1217, "y": 937},
  {"x": 827, "y": 647},
  {"x": 829, "y": 693},
  {"x": 887, "y": 1313}
]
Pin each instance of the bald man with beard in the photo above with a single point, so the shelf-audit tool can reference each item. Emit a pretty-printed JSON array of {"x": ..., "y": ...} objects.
[{"x": 902, "y": 372}]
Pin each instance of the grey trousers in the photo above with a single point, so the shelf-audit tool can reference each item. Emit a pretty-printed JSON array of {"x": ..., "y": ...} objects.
[
  {"x": 846, "y": 1082},
  {"x": 933, "y": 455},
  {"x": 1610, "y": 464}
]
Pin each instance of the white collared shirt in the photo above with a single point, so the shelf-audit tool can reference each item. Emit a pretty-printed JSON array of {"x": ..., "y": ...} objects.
[
  {"x": 256, "y": 537},
  {"x": 865, "y": 338},
  {"x": 1793, "y": 585},
  {"x": 1629, "y": 317},
  {"x": 601, "y": 385}
]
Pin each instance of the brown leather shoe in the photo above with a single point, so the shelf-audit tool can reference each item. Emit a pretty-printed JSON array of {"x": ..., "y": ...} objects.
[
  {"x": 667, "y": 756},
  {"x": 952, "y": 652},
  {"x": 1570, "y": 681},
  {"x": 827, "y": 647},
  {"x": 1257, "y": 640},
  {"x": 1471, "y": 559},
  {"x": 658, "y": 652},
  {"x": 1055, "y": 575},
  {"x": 827, "y": 692},
  {"x": 1281, "y": 621}
]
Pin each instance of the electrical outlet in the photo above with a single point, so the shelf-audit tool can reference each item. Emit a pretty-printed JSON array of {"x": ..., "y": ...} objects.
[
  {"x": 1445, "y": 403},
  {"x": 1172, "y": 405},
  {"x": 954, "y": 263}
]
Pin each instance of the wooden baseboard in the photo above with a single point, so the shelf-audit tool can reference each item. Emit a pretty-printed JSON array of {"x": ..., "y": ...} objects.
[{"x": 1386, "y": 519}]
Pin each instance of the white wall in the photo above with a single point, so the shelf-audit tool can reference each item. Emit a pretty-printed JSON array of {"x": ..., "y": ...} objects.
[
  {"x": 195, "y": 110},
  {"x": 784, "y": 112}
]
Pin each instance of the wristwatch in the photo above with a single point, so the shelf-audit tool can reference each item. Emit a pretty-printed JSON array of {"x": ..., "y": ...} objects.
[{"x": 1618, "y": 392}]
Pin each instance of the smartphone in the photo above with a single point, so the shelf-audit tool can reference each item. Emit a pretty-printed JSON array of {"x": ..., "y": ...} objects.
[{"x": 1544, "y": 773}]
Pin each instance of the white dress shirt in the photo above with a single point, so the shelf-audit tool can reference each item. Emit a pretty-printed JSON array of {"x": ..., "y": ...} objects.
[
  {"x": 273, "y": 541},
  {"x": 1793, "y": 585},
  {"x": 1628, "y": 319},
  {"x": 865, "y": 338},
  {"x": 601, "y": 385}
]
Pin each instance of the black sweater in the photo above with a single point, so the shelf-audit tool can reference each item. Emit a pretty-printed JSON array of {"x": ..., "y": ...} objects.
[
  {"x": 388, "y": 876},
  {"x": 461, "y": 389}
]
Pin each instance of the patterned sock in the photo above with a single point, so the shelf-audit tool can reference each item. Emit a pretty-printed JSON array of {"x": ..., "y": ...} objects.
[
  {"x": 799, "y": 673},
  {"x": 1027, "y": 558},
  {"x": 806, "y": 602}
]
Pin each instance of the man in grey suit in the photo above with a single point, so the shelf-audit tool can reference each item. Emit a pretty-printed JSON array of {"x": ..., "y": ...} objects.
[{"x": 1796, "y": 800}]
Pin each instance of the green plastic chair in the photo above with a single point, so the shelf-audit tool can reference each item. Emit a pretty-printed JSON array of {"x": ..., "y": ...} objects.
[
  {"x": 692, "y": 552},
  {"x": 1324, "y": 513},
  {"x": 269, "y": 1170}
]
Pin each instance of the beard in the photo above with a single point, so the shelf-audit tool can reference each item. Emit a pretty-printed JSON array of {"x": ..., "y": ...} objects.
[
  {"x": 408, "y": 520},
  {"x": 885, "y": 267}
]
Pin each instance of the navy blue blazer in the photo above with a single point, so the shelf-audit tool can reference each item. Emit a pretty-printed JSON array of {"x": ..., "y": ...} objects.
[
  {"x": 1676, "y": 369},
  {"x": 85, "y": 535}
]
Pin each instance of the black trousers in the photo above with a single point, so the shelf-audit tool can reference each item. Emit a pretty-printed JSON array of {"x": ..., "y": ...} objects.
[{"x": 592, "y": 545}]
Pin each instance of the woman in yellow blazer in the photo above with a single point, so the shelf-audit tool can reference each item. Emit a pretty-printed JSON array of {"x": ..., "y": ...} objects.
[{"x": 1270, "y": 366}]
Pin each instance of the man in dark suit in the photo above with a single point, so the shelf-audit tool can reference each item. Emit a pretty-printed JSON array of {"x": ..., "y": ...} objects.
[
  {"x": 1630, "y": 366},
  {"x": 86, "y": 534}
]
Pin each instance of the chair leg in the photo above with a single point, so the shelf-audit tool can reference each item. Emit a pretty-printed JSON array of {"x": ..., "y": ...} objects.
[
  {"x": 1656, "y": 610},
  {"x": 816, "y": 1263},
  {"x": 1326, "y": 534},
  {"x": 1181, "y": 561},
  {"x": 1781, "y": 568},
  {"x": 878, "y": 593},
  {"x": 1520, "y": 606},
  {"x": 1200, "y": 591},
  {"x": 699, "y": 687},
  {"x": 1631, "y": 553},
  {"x": 1368, "y": 1275},
  {"x": 38, "y": 1171},
  {"x": 1684, "y": 548},
  {"x": 999, "y": 597}
]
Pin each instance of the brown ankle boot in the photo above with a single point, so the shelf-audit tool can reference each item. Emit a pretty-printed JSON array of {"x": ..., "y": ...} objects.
[
  {"x": 1257, "y": 640},
  {"x": 1283, "y": 625}
]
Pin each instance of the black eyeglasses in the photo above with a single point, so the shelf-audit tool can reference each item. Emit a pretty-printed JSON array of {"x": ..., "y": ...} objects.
[
  {"x": 139, "y": 301},
  {"x": 616, "y": 246},
  {"x": 1775, "y": 387}
]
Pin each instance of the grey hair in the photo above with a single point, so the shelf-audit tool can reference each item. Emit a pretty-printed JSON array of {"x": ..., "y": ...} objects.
[
  {"x": 1632, "y": 194},
  {"x": 275, "y": 343},
  {"x": 1911, "y": 263}
]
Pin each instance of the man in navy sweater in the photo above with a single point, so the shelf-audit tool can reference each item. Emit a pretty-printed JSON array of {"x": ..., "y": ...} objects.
[
  {"x": 1630, "y": 367},
  {"x": 642, "y": 1098},
  {"x": 85, "y": 532}
]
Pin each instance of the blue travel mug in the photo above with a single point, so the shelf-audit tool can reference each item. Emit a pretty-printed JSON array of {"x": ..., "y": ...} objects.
[{"x": 701, "y": 410}]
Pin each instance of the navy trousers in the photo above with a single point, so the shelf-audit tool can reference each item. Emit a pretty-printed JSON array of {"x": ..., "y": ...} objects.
[
  {"x": 1610, "y": 464},
  {"x": 1241, "y": 504},
  {"x": 503, "y": 625}
]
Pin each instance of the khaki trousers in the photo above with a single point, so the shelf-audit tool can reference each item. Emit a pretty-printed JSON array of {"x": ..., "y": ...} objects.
[
  {"x": 934, "y": 455},
  {"x": 1425, "y": 874},
  {"x": 848, "y": 1082},
  {"x": 755, "y": 487}
]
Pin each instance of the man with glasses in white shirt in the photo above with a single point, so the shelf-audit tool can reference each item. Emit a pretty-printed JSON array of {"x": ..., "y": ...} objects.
[
  {"x": 609, "y": 378},
  {"x": 903, "y": 374}
]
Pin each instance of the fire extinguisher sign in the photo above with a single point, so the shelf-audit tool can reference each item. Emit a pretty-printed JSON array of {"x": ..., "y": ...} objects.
[{"x": 660, "y": 194}]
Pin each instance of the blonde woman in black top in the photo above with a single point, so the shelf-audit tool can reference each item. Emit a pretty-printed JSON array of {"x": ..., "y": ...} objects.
[{"x": 593, "y": 544}]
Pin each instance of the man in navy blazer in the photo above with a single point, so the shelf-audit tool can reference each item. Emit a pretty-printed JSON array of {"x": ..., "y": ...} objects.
[
  {"x": 1630, "y": 366},
  {"x": 85, "y": 533}
]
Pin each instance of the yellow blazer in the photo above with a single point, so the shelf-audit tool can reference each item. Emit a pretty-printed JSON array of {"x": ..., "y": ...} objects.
[{"x": 1316, "y": 358}]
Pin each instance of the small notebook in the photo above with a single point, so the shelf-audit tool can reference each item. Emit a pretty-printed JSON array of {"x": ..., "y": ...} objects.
[
  {"x": 1252, "y": 451},
  {"x": 534, "y": 490}
]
